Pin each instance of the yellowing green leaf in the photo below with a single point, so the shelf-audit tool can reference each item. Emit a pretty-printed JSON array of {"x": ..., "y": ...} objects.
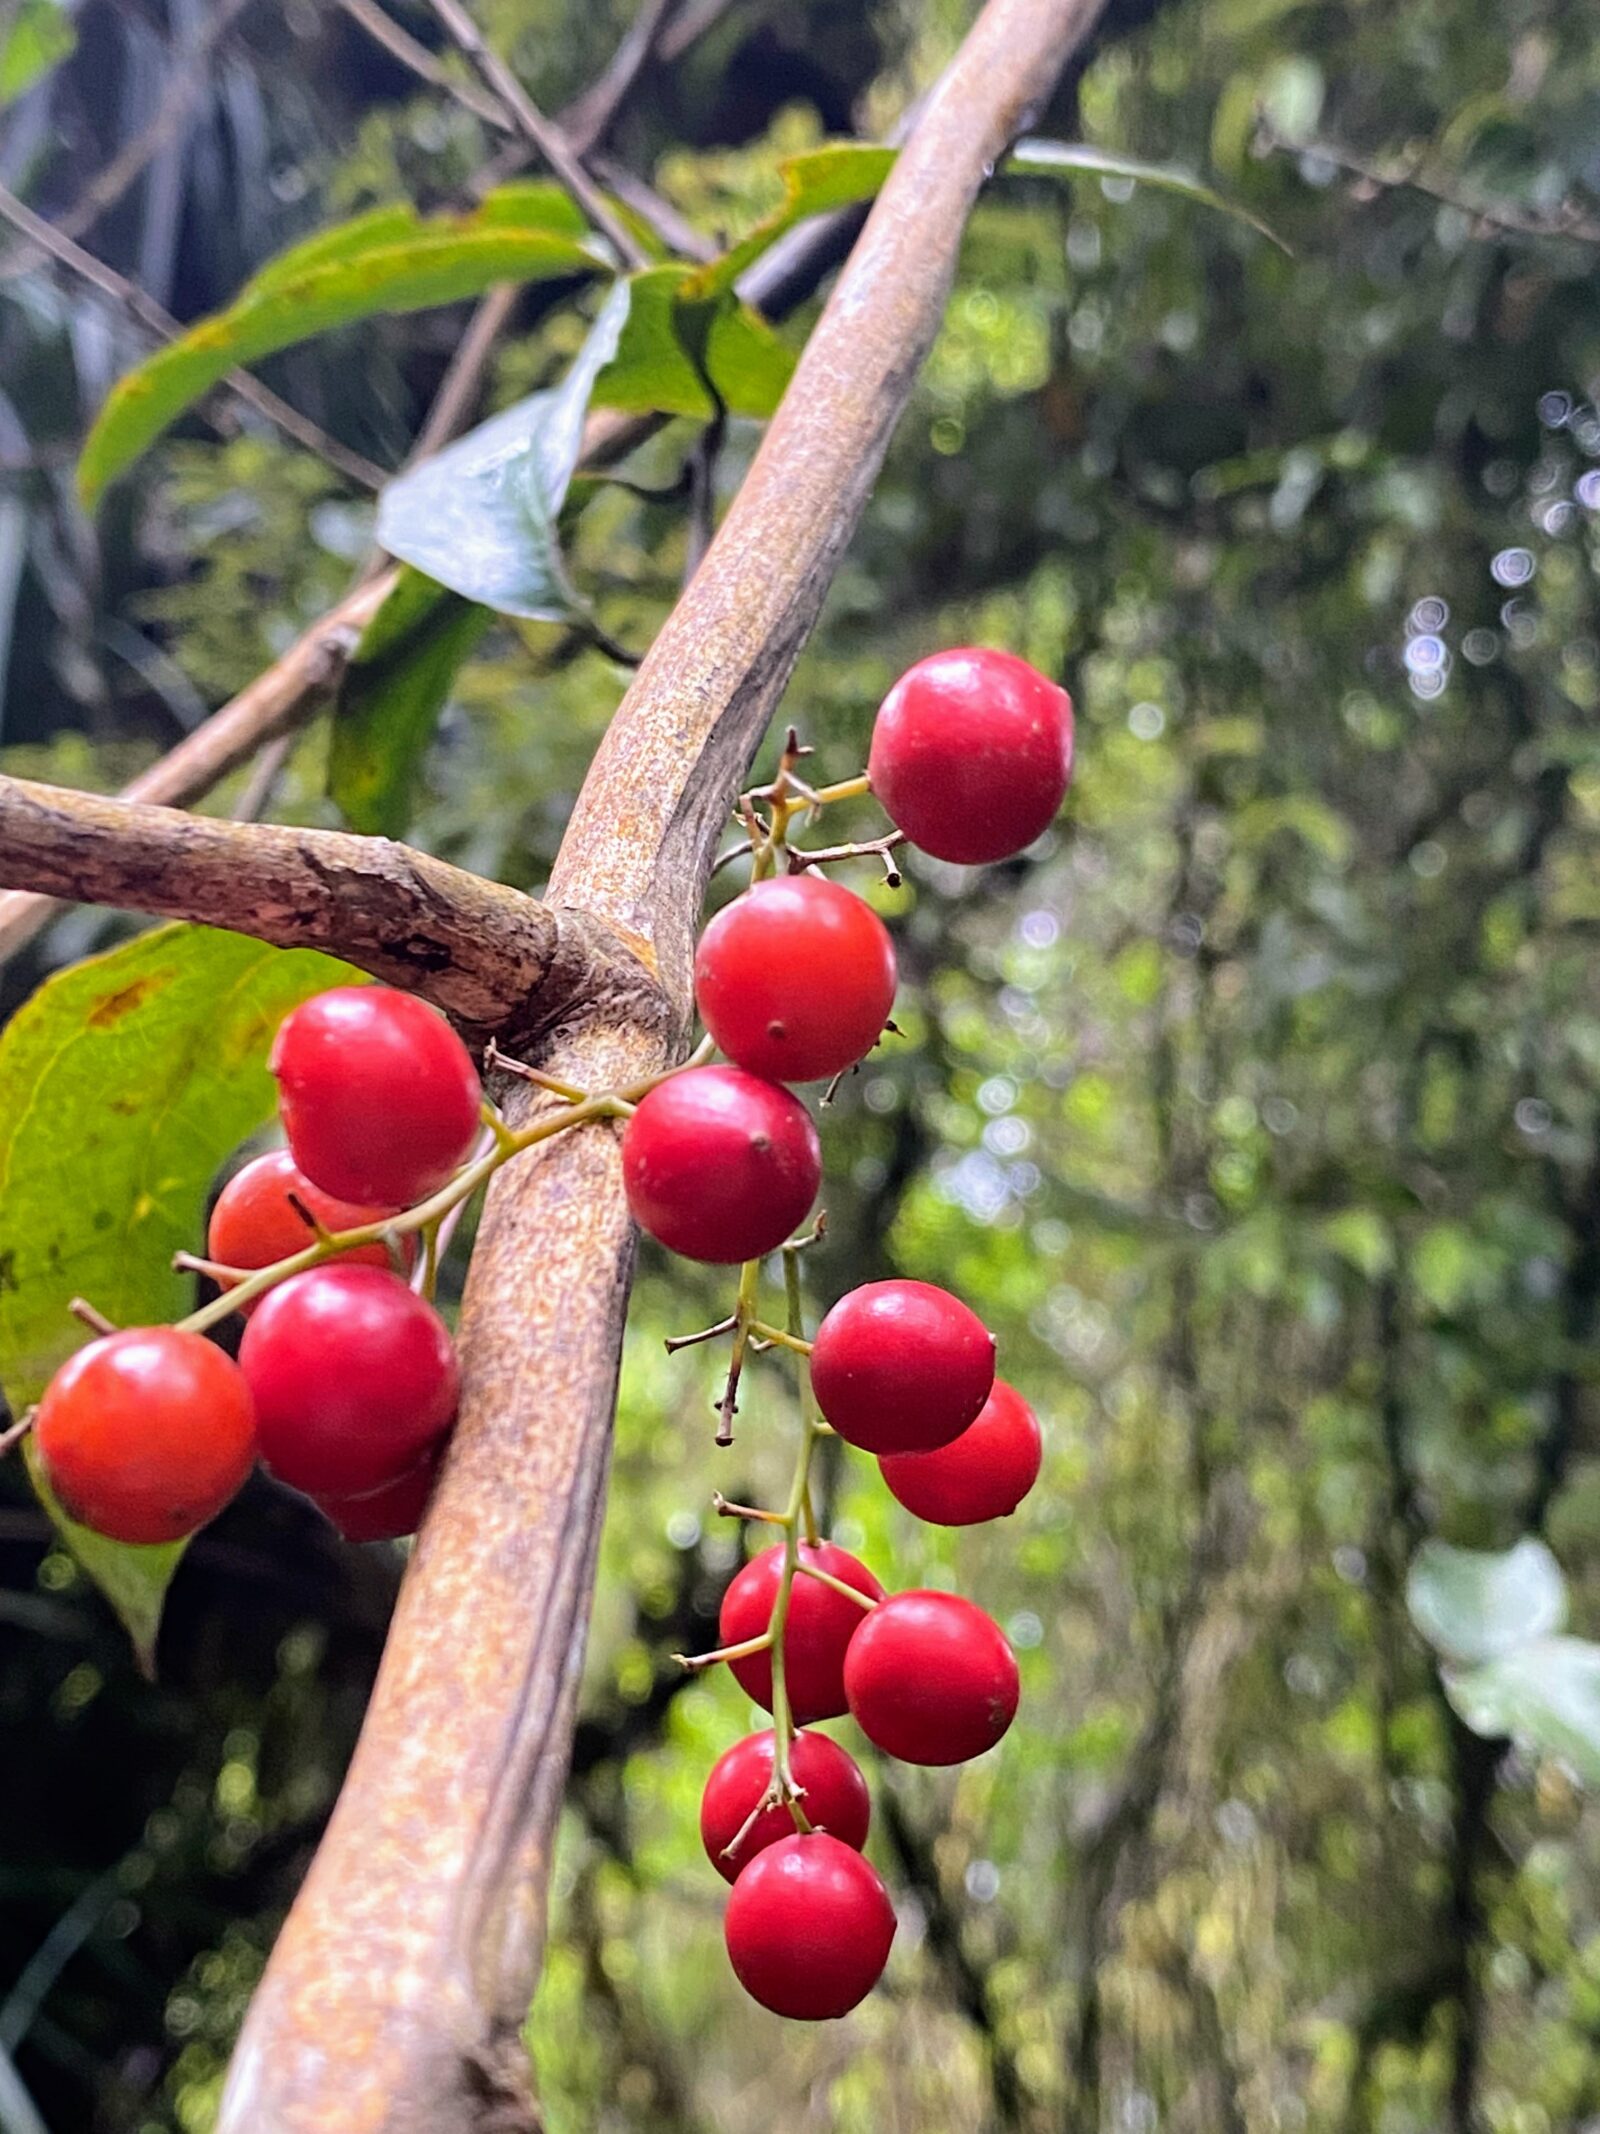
[
  {"x": 124, "y": 1082},
  {"x": 388, "y": 261}
]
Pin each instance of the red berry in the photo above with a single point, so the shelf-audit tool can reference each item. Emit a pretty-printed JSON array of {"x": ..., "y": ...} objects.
[
  {"x": 795, "y": 979},
  {"x": 380, "y": 1099},
  {"x": 983, "y": 1474},
  {"x": 255, "y": 1224},
  {"x": 834, "y": 1798},
  {"x": 146, "y": 1434},
  {"x": 720, "y": 1166},
  {"x": 931, "y": 1678},
  {"x": 901, "y": 1366},
  {"x": 388, "y": 1513},
  {"x": 809, "y": 1928},
  {"x": 820, "y": 1626},
  {"x": 971, "y": 754},
  {"x": 353, "y": 1377}
]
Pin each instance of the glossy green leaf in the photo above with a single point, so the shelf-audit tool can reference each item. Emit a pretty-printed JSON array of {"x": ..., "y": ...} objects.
[
  {"x": 34, "y": 37},
  {"x": 1544, "y": 1696},
  {"x": 395, "y": 686},
  {"x": 1069, "y": 159},
  {"x": 670, "y": 337},
  {"x": 124, "y": 1082},
  {"x": 843, "y": 174},
  {"x": 532, "y": 204},
  {"x": 388, "y": 261},
  {"x": 482, "y": 516},
  {"x": 1475, "y": 1605}
]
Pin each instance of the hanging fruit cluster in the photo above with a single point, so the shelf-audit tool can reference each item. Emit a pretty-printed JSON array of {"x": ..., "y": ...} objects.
[
  {"x": 346, "y": 1383},
  {"x": 794, "y": 981}
]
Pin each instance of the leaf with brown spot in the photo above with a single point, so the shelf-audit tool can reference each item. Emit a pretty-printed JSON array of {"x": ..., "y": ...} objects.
[{"x": 124, "y": 1082}]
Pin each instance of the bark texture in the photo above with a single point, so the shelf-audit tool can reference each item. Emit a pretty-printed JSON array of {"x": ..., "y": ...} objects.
[{"x": 478, "y": 950}]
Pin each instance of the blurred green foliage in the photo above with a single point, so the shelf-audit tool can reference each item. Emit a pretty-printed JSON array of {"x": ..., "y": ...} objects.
[{"x": 1259, "y": 1111}]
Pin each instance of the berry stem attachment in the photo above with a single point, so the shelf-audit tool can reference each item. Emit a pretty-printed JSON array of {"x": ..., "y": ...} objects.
[
  {"x": 213, "y": 1270},
  {"x": 862, "y": 1600},
  {"x": 797, "y": 1509},
  {"x": 429, "y": 1213},
  {"x": 725, "y": 1509},
  {"x": 744, "y": 1318},
  {"x": 696, "y": 1663},
  {"x": 13, "y": 1436},
  {"x": 778, "y": 1337},
  {"x": 81, "y": 1308},
  {"x": 674, "y": 1342},
  {"x": 497, "y": 1062},
  {"x": 810, "y": 1422},
  {"x": 846, "y": 789}
]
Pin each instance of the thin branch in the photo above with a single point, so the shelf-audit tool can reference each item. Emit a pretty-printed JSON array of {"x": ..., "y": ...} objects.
[
  {"x": 591, "y": 116},
  {"x": 692, "y": 23},
  {"x": 401, "y": 45},
  {"x": 101, "y": 194},
  {"x": 146, "y": 312},
  {"x": 476, "y": 949},
  {"x": 545, "y": 135},
  {"x": 658, "y": 214},
  {"x": 398, "y": 1992},
  {"x": 1411, "y": 175},
  {"x": 299, "y": 683}
]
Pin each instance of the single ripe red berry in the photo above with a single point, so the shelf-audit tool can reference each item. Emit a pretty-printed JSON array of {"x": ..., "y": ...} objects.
[
  {"x": 255, "y": 1222},
  {"x": 388, "y": 1513},
  {"x": 146, "y": 1434},
  {"x": 379, "y": 1097},
  {"x": 353, "y": 1377},
  {"x": 931, "y": 1678},
  {"x": 719, "y": 1165},
  {"x": 820, "y": 1625},
  {"x": 795, "y": 979},
  {"x": 901, "y": 1366},
  {"x": 809, "y": 1928},
  {"x": 971, "y": 754},
  {"x": 834, "y": 1798},
  {"x": 983, "y": 1474}
]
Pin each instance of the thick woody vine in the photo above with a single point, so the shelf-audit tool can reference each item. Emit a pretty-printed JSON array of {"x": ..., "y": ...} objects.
[
  {"x": 346, "y": 1382},
  {"x": 397, "y": 1992}
]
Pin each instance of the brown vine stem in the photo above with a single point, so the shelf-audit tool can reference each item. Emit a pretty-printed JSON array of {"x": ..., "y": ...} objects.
[
  {"x": 396, "y": 1997},
  {"x": 476, "y": 949}
]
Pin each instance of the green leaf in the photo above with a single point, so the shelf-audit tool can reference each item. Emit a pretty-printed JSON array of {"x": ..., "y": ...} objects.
[
  {"x": 1054, "y": 159},
  {"x": 1475, "y": 1605},
  {"x": 843, "y": 174},
  {"x": 482, "y": 516},
  {"x": 395, "y": 686},
  {"x": 124, "y": 1082},
  {"x": 388, "y": 261},
  {"x": 534, "y": 204},
  {"x": 134, "y": 1578},
  {"x": 1544, "y": 1696},
  {"x": 671, "y": 343},
  {"x": 33, "y": 39}
]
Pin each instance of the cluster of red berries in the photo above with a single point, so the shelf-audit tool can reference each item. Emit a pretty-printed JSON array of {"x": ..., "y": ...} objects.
[
  {"x": 794, "y": 981},
  {"x": 346, "y": 1381}
]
